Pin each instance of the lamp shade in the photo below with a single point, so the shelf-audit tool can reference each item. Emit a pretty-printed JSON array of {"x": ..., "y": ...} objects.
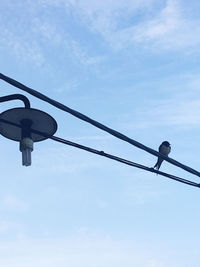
[{"x": 11, "y": 123}]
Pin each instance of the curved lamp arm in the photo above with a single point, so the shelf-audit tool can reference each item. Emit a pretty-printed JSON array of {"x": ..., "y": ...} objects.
[{"x": 16, "y": 97}]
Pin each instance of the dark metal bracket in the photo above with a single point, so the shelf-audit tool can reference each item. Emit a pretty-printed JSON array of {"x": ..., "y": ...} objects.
[{"x": 23, "y": 98}]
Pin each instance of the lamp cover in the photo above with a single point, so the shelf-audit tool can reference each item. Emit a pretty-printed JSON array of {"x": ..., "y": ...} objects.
[
  {"x": 24, "y": 125},
  {"x": 39, "y": 120}
]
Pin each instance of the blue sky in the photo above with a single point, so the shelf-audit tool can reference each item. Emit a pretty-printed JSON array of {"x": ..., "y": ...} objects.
[{"x": 133, "y": 65}]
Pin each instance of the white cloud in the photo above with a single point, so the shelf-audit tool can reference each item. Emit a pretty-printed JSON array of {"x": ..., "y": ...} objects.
[
  {"x": 113, "y": 21},
  {"x": 105, "y": 17},
  {"x": 38, "y": 31},
  {"x": 81, "y": 54},
  {"x": 47, "y": 30},
  {"x": 168, "y": 28},
  {"x": 20, "y": 47},
  {"x": 166, "y": 22}
]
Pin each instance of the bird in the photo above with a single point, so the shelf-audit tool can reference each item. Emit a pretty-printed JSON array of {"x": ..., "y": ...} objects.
[{"x": 164, "y": 149}]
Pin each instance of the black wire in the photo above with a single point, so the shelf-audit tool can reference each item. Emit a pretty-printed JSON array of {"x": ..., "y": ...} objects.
[
  {"x": 124, "y": 161},
  {"x": 110, "y": 156},
  {"x": 97, "y": 124}
]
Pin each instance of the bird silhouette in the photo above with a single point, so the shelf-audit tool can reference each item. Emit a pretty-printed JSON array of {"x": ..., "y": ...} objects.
[{"x": 164, "y": 149}]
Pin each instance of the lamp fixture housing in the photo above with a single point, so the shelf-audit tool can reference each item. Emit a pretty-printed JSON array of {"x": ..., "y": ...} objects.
[{"x": 24, "y": 125}]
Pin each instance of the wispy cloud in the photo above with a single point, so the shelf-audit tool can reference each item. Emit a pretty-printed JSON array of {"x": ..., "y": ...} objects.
[
  {"x": 114, "y": 23},
  {"x": 39, "y": 31},
  {"x": 28, "y": 51},
  {"x": 107, "y": 17},
  {"x": 166, "y": 28},
  {"x": 169, "y": 29},
  {"x": 82, "y": 55}
]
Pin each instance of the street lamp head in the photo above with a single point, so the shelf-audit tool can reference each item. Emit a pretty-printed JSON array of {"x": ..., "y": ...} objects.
[{"x": 27, "y": 125}]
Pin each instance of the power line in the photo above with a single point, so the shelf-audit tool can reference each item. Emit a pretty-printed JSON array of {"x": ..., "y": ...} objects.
[
  {"x": 110, "y": 156},
  {"x": 124, "y": 161},
  {"x": 96, "y": 124}
]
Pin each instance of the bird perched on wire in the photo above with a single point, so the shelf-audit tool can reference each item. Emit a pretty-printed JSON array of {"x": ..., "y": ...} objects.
[{"x": 164, "y": 149}]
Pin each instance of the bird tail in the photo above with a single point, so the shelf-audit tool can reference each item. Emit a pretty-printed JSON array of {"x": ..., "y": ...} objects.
[{"x": 158, "y": 164}]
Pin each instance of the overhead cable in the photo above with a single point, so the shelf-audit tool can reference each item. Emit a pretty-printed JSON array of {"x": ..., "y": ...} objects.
[
  {"x": 110, "y": 156},
  {"x": 96, "y": 124},
  {"x": 124, "y": 161}
]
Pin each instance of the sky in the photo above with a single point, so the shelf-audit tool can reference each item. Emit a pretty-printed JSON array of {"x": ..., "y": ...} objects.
[{"x": 132, "y": 65}]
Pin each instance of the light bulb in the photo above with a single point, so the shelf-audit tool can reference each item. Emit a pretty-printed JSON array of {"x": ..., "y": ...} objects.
[{"x": 26, "y": 147}]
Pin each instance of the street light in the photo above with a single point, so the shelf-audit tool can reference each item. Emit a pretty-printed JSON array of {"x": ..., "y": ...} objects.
[{"x": 26, "y": 125}]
